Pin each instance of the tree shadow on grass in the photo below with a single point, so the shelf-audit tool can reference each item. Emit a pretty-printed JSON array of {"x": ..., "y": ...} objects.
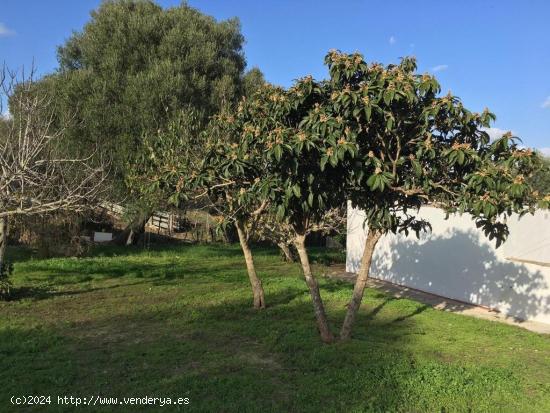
[
  {"x": 330, "y": 286},
  {"x": 229, "y": 357},
  {"x": 80, "y": 271},
  {"x": 372, "y": 314},
  {"x": 227, "y": 350},
  {"x": 208, "y": 250},
  {"x": 19, "y": 253},
  {"x": 36, "y": 293},
  {"x": 419, "y": 310}
]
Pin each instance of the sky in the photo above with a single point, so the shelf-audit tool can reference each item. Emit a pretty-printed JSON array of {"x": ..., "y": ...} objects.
[{"x": 491, "y": 53}]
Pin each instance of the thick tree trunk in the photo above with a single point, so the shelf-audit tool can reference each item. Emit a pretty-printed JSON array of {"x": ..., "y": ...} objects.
[
  {"x": 287, "y": 253},
  {"x": 3, "y": 238},
  {"x": 320, "y": 315},
  {"x": 372, "y": 239},
  {"x": 257, "y": 289}
]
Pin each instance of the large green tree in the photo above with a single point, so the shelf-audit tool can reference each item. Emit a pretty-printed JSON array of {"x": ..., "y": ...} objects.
[
  {"x": 229, "y": 177},
  {"x": 129, "y": 73},
  {"x": 416, "y": 148},
  {"x": 209, "y": 171},
  {"x": 383, "y": 137},
  {"x": 291, "y": 179},
  {"x": 255, "y": 185}
]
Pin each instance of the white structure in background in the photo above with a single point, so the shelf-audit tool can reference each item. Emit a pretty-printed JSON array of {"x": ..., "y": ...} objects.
[
  {"x": 103, "y": 236},
  {"x": 457, "y": 261}
]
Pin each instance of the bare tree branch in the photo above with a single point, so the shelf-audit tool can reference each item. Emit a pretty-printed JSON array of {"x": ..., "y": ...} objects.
[{"x": 36, "y": 175}]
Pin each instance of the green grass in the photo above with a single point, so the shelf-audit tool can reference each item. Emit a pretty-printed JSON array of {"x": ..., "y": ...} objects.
[{"x": 177, "y": 322}]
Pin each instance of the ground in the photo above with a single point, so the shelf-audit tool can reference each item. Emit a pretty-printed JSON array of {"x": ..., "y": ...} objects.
[{"x": 177, "y": 322}]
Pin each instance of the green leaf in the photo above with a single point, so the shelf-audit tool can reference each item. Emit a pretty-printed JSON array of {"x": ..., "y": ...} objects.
[
  {"x": 389, "y": 123},
  {"x": 387, "y": 97},
  {"x": 460, "y": 157},
  {"x": 416, "y": 167},
  {"x": 368, "y": 111},
  {"x": 280, "y": 211},
  {"x": 278, "y": 151},
  {"x": 371, "y": 182}
]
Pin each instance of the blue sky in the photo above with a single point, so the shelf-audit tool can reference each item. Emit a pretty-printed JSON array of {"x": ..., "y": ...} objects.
[{"x": 489, "y": 52}]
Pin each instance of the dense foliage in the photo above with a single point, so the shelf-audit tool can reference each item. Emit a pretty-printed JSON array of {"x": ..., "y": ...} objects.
[
  {"x": 540, "y": 180},
  {"x": 417, "y": 148},
  {"x": 135, "y": 67},
  {"x": 384, "y": 138}
]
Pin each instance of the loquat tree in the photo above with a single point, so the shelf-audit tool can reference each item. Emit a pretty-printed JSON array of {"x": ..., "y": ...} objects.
[
  {"x": 384, "y": 138},
  {"x": 416, "y": 148}
]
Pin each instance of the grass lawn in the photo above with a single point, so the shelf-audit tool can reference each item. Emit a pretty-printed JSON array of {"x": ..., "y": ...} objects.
[{"x": 177, "y": 322}]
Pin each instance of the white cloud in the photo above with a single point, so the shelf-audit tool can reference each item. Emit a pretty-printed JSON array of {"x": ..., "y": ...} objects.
[
  {"x": 393, "y": 40},
  {"x": 5, "y": 31},
  {"x": 6, "y": 115},
  {"x": 495, "y": 133},
  {"x": 439, "y": 68},
  {"x": 546, "y": 103}
]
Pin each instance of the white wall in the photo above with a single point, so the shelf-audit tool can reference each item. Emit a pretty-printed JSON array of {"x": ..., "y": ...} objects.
[
  {"x": 103, "y": 236},
  {"x": 456, "y": 261}
]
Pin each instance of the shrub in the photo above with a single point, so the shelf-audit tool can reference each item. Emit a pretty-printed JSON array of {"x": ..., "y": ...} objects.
[{"x": 6, "y": 269}]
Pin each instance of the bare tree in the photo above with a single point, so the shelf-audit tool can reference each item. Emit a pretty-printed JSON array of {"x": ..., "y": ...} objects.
[{"x": 36, "y": 174}]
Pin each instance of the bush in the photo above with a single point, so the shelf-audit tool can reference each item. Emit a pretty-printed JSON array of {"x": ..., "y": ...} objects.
[
  {"x": 6, "y": 269},
  {"x": 56, "y": 234}
]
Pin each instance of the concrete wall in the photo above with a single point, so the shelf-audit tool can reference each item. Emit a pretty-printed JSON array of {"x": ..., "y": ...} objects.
[{"x": 456, "y": 261}]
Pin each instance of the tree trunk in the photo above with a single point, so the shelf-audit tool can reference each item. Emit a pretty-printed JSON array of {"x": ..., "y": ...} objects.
[
  {"x": 137, "y": 229},
  {"x": 320, "y": 315},
  {"x": 130, "y": 234},
  {"x": 370, "y": 243},
  {"x": 287, "y": 253},
  {"x": 257, "y": 289},
  {"x": 130, "y": 238},
  {"x": 3, "y": 239}
]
